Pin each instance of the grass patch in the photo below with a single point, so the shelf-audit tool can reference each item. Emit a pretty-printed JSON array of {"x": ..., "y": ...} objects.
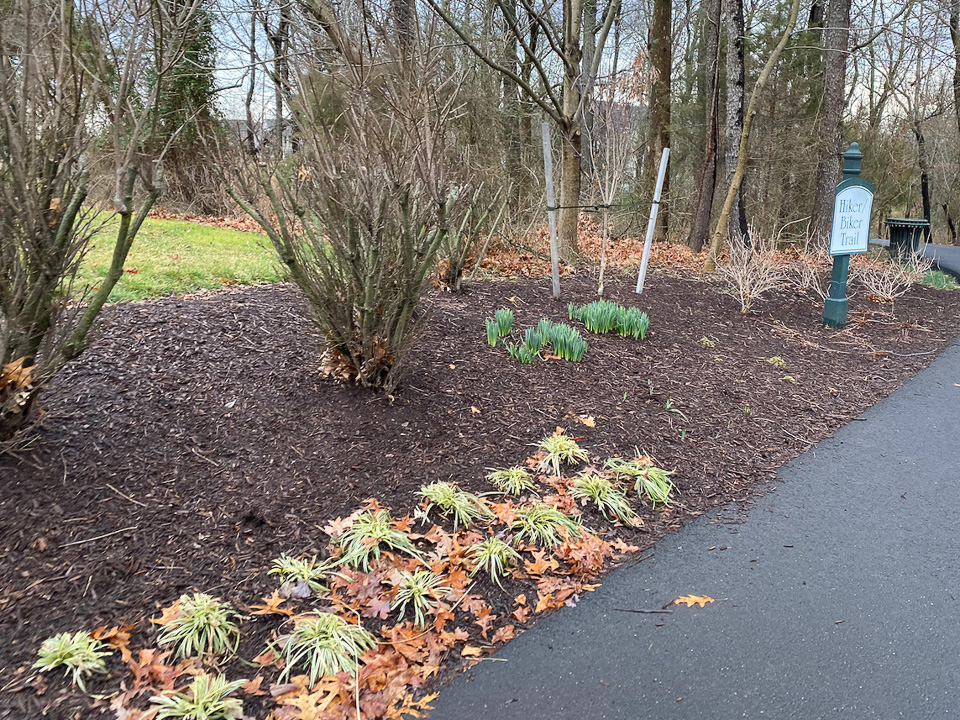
[
  {"x": 177, "y": 257},
  {"x": 939, "y": 280}
]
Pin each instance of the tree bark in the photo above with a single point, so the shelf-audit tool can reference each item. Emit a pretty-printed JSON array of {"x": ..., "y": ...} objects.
[
  {"x": 661, "y": 59},
  {"x": 832, "y": 108},
  {"x": 717, "y": 241},
  {"x": 587, "y": 80},
  {"x": 955, "y": 39},
  {"x": 733, "y": 123},
  {"x": 569, "y": 213},
  {"x": 924, "y": 163},
  {"x": 708, "y": 174}
]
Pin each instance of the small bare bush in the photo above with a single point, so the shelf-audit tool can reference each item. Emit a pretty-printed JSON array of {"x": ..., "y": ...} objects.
[
  {"x": 752, "y": 270},
  {"x": 885, "y": 281}
]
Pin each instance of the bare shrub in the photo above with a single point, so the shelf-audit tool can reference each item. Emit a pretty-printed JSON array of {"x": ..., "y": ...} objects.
[
  {"x": 886, "y": 280},
  {"x": 750, "y": 271},
  {"x": 358, "y": 215}
]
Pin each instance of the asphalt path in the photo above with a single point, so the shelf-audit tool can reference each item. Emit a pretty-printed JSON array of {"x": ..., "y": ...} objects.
[
  {"x": 837, "y": 595},
  {"x": 945, "y": 257}
]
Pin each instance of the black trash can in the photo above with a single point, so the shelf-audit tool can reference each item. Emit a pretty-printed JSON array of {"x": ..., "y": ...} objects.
[{"x": 905, "y": 236}]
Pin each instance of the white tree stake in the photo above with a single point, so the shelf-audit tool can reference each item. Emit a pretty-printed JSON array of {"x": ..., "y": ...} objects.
[
  {"x": 551, "y": 210},
  {"x": 653, "y": 218}
]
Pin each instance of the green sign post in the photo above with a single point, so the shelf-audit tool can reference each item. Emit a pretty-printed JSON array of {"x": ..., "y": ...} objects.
[{"x": 850, "y": 233}]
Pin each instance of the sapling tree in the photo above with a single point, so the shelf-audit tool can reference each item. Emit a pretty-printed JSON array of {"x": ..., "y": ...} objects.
[{"x": 74, "y": 91}]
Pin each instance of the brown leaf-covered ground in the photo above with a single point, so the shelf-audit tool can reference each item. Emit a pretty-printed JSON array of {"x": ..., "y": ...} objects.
[{"x": 195, "y": 442}]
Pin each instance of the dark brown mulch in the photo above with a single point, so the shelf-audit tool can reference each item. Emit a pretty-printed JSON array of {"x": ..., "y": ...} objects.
[{"x": 195, "y": 441}]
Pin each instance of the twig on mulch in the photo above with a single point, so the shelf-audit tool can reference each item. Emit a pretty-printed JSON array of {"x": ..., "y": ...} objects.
[{"x": 99, "y": 537}]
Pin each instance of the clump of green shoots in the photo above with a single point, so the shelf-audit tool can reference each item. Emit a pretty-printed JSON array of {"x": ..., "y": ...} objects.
[
  {"x": 207, "y": 698},
  {"x": 310, "y": 571},
  {"x": 523, "y": 352},
  {"x": 80, "y": 654},
  {"x": 609, "y": 499},
  {"x": 567, "y": 343},
  {"x": 543, "y": 327},
  {"x": 493, "y": 556},
  {"x": 493, "y": 332},
  {"x": 325, "y": 644},
  {"x": 204, "y": 626},
  {"x": 420, "y": 590},
  {"x": 542, "y": 524},
  {"x": 512, "y": 481},
  {"x": 504, "y": 319},
  {"x": 465, "y": 507},
  {"x": 373, "y": 529},
  {"x": 778, "y": 362},
  {"x": 560, "y": 449},
  {"x": 648, "y": 479},
  {"x": 532, "y": 339},
  {"x": 603, "y": 316}
]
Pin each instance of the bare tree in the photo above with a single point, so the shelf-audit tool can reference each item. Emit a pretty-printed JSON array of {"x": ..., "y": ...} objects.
[
  {"x": 660, "y": 47},
  {"x": 565, "y": 51}
]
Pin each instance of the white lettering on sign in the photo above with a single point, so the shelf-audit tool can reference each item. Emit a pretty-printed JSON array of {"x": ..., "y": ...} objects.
[{"x": 851, "y": 221}]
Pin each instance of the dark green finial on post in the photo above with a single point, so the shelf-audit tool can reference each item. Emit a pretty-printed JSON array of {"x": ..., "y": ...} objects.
[{"x": 849, "y": 233}]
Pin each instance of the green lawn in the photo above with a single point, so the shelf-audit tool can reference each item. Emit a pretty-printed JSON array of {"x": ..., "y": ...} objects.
[{"x": 174, "y": 257}]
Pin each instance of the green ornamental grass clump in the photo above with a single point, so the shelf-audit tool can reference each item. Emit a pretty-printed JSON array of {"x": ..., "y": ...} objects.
[
  {"x": 493, "y": 556},
  {"x": 420, "y": 590},
  {"x": 80, "y": 654},
  {"x": 560, "y": 449},
  {"x": 324, "y": 644},
  {"x": 372, "y": 530},
  {"x": 310, "y": 571},
  {"x": 449, "y": 499},
  {"x": 512, "y": 481},
  {"x": 648, "y": 479},
  {"x": 205, "y": 626},
  {"x": 206, "y": 698},
  {"x": 609, "y": 499},
  {"x": 542, "y": 525}
]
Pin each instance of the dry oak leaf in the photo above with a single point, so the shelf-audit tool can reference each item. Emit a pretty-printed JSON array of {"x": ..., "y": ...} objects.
[
  {"x": 690, "y": 600},
  {"x": 474, "y": 409},
  {"x": 540, "y": 564},
  {"x": 167, "y": 615},
  {"x": 252, "y": 687},
  {"x": 521, "y": 614},
  {"x": 271, "y": 606},
  {"x": 117, "y": 637},
  {"x": 588, "y": 420},
  {"x": 521, "y": 599},
  {"x": 507, "y": 632},
  {"x": 471, "y": 651}
]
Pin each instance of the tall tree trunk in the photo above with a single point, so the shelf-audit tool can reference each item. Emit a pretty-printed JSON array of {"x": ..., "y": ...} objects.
[
  {"x": 711, "y": 84},
  {"x": 512, "y": 125},
  {"x": 924, "y": 163},
  {"x": 716, "y": 241},
  {"x": 570, "y": 150},
  {"x": 661, "y": 59},
  {"x": 832, "y": 108},
  {"x": 955, "y": 38},
  {"x": 733, "y": 124},
  {"x": 587, "y": 81}
]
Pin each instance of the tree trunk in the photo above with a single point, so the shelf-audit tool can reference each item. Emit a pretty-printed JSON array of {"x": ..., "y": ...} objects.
[
  {"x": 717, "y": 241},
  {"x": 924, "y": 164},
  {"x": 832, "y": 109},
  {"x": 955, "y": 38},
  {"x": 570, "y": 150},
  {"x": 512, "y": 126},
  {"x": 661, "y": 58},
  {"x": 711, "y": 82},
  {"x": 733, "y": 124},
  {"x": 587, "y": 81}
]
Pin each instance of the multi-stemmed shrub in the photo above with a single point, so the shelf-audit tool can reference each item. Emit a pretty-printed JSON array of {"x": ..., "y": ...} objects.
[
  {"x": 204, "y": 625},
  {"x": 560, "y": 449},
  {"x": 543, "y": 524},
  {"x": 421, "y": 590},
  {"x": 80, "y": 654},
  {"x": 206, "y": 698},
  {"x": 609, "y": 499},
  {"x": 493, "y": 556},
  {"x": 449, "y": 499},
  {"x": 512, "y": 481},
  {"x": 324, "y": 644},
  {"x": 373, "y": 529}
]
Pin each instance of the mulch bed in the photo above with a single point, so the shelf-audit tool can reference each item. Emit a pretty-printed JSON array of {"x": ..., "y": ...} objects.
[{"x": 195, "y": 441}]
